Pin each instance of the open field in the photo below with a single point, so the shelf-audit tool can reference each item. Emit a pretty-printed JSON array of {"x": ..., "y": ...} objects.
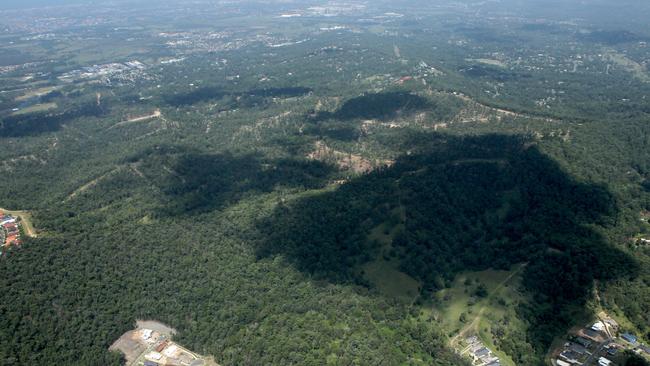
[
  {"x": 460, "y": 299},
  {"x": 36, "y": 93},
  {"x": 36, "y": 108},
  {"x": 629, "y": 65},
  {"x": 462, "y": 311},
  {"x": 391, "y": 281},
  {"x": 383, "y": 272}
]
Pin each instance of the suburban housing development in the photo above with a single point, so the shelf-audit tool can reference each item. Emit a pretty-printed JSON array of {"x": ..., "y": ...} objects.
[{"x": 601, "y": 343}]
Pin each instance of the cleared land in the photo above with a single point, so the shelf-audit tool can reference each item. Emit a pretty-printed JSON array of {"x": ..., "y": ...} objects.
[
  {"x": 37, "y": 93},
  {"x": 155, "y": 326},
  {"x": 487, "y": 61},
  {"x": 36, "y": 108},
  {"x": 460, "y": 299},
  {"x": 383, "y": 272},
  {"x": 151, "y": 341},
  {"x": 462, "y": 311},
  {"x": 345, "y": 161},
  {"x": 631, "y": 66},
  {"x": 155, "y": 114},
  {"x": 25, "y": 221}
]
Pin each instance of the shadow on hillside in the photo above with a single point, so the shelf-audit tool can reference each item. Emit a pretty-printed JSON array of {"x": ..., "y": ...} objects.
[
  {"x": 194, "y": 182},
  {"x": 470, "y": 203},
  {"x": 237, "y": 99},
  {"x": 343, "y": 124},
  {"x": 34, "y": 124},
  {"x": 377, "y": 106}
]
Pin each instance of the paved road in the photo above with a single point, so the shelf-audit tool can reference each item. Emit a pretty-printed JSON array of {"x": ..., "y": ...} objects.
[{"x": 593, "y": 358}]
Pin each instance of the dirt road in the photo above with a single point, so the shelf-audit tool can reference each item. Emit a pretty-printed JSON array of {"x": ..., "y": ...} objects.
[
  {"x": 473, "y": 325},
  {"x": 155, "y": 114}
]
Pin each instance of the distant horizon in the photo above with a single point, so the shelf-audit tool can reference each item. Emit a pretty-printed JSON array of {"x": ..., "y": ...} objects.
[{"x": 16, "y": 4}]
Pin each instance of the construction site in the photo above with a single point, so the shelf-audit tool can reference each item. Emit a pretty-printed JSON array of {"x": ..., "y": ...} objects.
[{"x": 150, "y": 344}]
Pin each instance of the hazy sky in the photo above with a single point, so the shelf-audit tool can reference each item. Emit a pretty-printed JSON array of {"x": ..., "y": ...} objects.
[
  {"x": 594, "y": 9},
  {"x": 10, "y": 4}
]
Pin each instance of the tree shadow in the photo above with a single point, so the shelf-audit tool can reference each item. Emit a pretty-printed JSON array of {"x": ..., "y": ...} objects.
[
  {"x": 192, "y": 182},
  {"x": 34, "y": 124},
  {"x": 344, "y": 123},
  {"x": 334, "y": 130},
  {"x": 384, "y": 105},
  {"x": 236, "y": 99},
  {"x": 464, "y": 203}
]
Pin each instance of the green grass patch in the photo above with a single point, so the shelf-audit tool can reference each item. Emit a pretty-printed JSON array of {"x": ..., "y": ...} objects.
[
  {"x": 36, "y": 108},
  {"x": 484, "y": 304},
  {"x": 384, "y": 273},
  {"x": 391, "y": 282}
]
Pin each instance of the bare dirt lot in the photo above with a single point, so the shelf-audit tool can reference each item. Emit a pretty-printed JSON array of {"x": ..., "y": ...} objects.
[
  {"x": 156, "y": 326},
  {"x": 155, "y": 114},
  {"x": 129, "y": 345},
  {"x": 152, "y": 340},
  {"x": 345, "y": 161}
]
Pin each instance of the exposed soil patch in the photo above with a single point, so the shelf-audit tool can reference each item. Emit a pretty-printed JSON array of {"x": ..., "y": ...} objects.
[
  {"x": 155, "y": 326},
  {"x": 151, "y": 342},
  {"x": 155, "y": 114},
  {"x": 346, "y": 161},
  {"x": 129, "y": 345}
]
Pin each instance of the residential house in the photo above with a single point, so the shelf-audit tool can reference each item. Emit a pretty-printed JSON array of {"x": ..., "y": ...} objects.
[{"x": 629, "y": 338}]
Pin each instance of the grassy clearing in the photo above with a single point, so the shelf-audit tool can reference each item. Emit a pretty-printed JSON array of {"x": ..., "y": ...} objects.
[
  {"x": 460, "y": 297},
  {"x": 384, "y": 271},
  {"x": 631, "y": 66},
  {"x": 100, "y": 52},
  {"x": 477, "y": 303},
  {"x": 36, "y": 108},
  {"x": 36, "y": 93},
  {"x": 391, "y": 282}
]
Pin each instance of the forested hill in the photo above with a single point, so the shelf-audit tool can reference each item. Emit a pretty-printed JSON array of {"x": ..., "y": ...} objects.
[
  {"x": 469, "y": 203},
  {"x": 291, "y": 184}
]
